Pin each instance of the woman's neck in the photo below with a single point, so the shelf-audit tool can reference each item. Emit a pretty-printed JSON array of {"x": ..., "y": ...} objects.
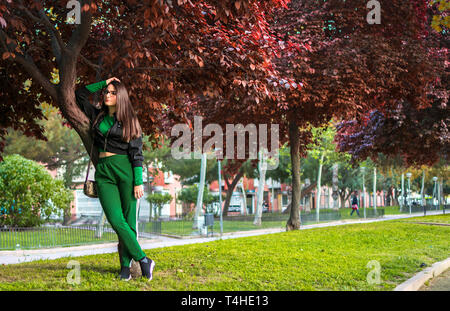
[{"x": 111, "y": 110}]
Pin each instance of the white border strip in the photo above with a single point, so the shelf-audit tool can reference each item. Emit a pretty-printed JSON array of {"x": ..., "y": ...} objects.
[{"x": 416, "y": 282}]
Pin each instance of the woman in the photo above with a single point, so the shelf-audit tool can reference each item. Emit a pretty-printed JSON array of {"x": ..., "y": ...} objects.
[
  {"x": 354, "y": 204},
  {"x": 118, "y": 136}
]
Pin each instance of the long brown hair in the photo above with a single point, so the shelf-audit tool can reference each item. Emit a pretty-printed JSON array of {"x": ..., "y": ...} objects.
[{"x": 124, "y": 112}]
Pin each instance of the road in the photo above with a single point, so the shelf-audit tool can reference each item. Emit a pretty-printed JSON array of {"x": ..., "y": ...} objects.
[{"x": 439, "y": 283}]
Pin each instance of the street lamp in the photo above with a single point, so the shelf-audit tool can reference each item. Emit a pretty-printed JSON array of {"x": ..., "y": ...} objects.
[
  {"x": 434, "y": 189},
  {"x": 217, "y": 150},
  {"x": 363, "y": 170},
  {"x": 150, "y": 179},
  {"x": 408, "y": 200}
]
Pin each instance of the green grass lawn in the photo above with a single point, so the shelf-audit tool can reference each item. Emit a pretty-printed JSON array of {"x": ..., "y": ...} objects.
[
  {"x": 332, "y": 258},
  {"x": 441, "y": 219}
]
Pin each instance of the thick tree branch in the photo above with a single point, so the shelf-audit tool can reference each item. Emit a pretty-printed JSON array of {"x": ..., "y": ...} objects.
[
  {"x": 57, "y": 42},
  {"x": 27, "y": 62},
  {"x": 90, "y": 64},
  {"x": 52, "y": 29},
  {"x": 81, "y": 33},
  {"x": 28, "y": 13},
  {"x": 170, "y": 69}
]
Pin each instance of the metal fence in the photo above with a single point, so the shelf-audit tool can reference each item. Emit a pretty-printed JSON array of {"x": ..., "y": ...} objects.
[
  {"x": 54, "y": 236},
  {"x": 417, "y": 208},
  {"x": 188, "y": 227}
]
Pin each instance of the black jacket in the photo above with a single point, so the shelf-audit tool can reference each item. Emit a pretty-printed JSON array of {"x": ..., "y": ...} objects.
[{"x": 112, "y": 141}]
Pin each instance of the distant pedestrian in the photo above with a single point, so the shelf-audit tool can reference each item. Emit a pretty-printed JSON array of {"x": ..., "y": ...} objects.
[{"x": 354, "y": 204}]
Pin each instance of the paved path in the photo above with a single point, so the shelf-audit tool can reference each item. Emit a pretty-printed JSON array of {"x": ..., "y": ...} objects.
[
  {"x": 439, "y": 283},
  {"x": 18, "y": 256}
]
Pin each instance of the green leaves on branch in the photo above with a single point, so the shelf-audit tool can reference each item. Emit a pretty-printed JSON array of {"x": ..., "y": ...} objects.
[{"x": 189, "y": 196}]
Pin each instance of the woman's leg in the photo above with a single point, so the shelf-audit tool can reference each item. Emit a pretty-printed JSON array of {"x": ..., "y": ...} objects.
[
  {"x": 124, "y": 255},
  {"x": 127, "y": 198},
  {"x": 110, "y": 198}
]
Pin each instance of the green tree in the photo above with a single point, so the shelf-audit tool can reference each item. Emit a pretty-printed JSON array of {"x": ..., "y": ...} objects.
[
  {"x": 283, "y": 172},
  {"x": 29, "y": 193},
  {"x": 323, "y": 149},
  {"x": 154, "y": 151},
  {"x": 157, "y": 201},
  {"x": 188, "y": 196},
  {"x": 189, "y": 169},
  {"x": 62, "y": 149}
]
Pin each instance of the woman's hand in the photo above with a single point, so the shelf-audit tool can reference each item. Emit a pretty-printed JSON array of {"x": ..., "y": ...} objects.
[
  {"x": 139, "y": 191},
  {"x": 112, "y": 79}
]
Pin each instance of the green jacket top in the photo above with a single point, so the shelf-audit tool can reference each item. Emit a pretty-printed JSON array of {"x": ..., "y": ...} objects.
[{"x": 106, "y": 124}]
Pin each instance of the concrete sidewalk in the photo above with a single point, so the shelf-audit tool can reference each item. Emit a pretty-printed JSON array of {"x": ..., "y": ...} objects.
[
  {"x": 439, "y": 283},
  {"x": 19, "y": 256}
]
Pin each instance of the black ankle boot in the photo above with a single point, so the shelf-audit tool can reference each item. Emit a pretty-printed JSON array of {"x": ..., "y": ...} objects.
[{"x": 147, "y": 266}]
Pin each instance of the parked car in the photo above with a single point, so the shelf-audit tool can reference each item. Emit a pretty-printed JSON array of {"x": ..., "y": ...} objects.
[{"x": 234, "y": 208}]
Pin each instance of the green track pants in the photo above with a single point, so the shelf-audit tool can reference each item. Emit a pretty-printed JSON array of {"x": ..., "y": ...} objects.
[{"x": 115, "y": 187}]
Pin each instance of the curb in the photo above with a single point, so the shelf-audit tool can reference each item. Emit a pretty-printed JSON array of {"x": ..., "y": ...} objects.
[{"x": 417, "y": 281}]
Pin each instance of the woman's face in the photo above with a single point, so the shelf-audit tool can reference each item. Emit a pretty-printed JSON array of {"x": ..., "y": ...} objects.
[{"x": 110, "y": 96}]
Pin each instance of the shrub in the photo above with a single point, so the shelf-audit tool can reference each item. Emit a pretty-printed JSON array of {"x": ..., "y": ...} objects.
[
  {"x": 158, "y": 200},
  {"x": 28, "y": 193}
]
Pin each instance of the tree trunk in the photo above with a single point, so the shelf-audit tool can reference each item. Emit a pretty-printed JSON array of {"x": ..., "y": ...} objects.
[
  {"x": 390, "y": 196},
  {"x": 402, "y": 196},
  {"x": 262, "y": 179},
  {"x": 375, "y": 188},
  {"x": 395, "y": 199},
  {"x": 294, "y": 221},
  {"x": 272, "y": 197},
  {"x": 230, "y": 189},
  {"x": 199, "y": 205},
  {"x": 342, "y": 197},
  {"x": 228, "y": 195},
  {"x": 244, "y": 198},
  {"x": 319, "y": 190},
  {"x": 68, "y": 175},
  {"x": 348, "y": 196},
  {"x": 150, "y": 190},
  {"x": 335, "y": 180},
  {"x": 422, "y": 188},
  {"x": 288, "y": 208}
]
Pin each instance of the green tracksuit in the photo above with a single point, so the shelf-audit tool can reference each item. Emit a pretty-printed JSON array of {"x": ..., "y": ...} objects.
[
  {"x": 115, "y": 178},
  {"x": 115, "y": 187}
]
